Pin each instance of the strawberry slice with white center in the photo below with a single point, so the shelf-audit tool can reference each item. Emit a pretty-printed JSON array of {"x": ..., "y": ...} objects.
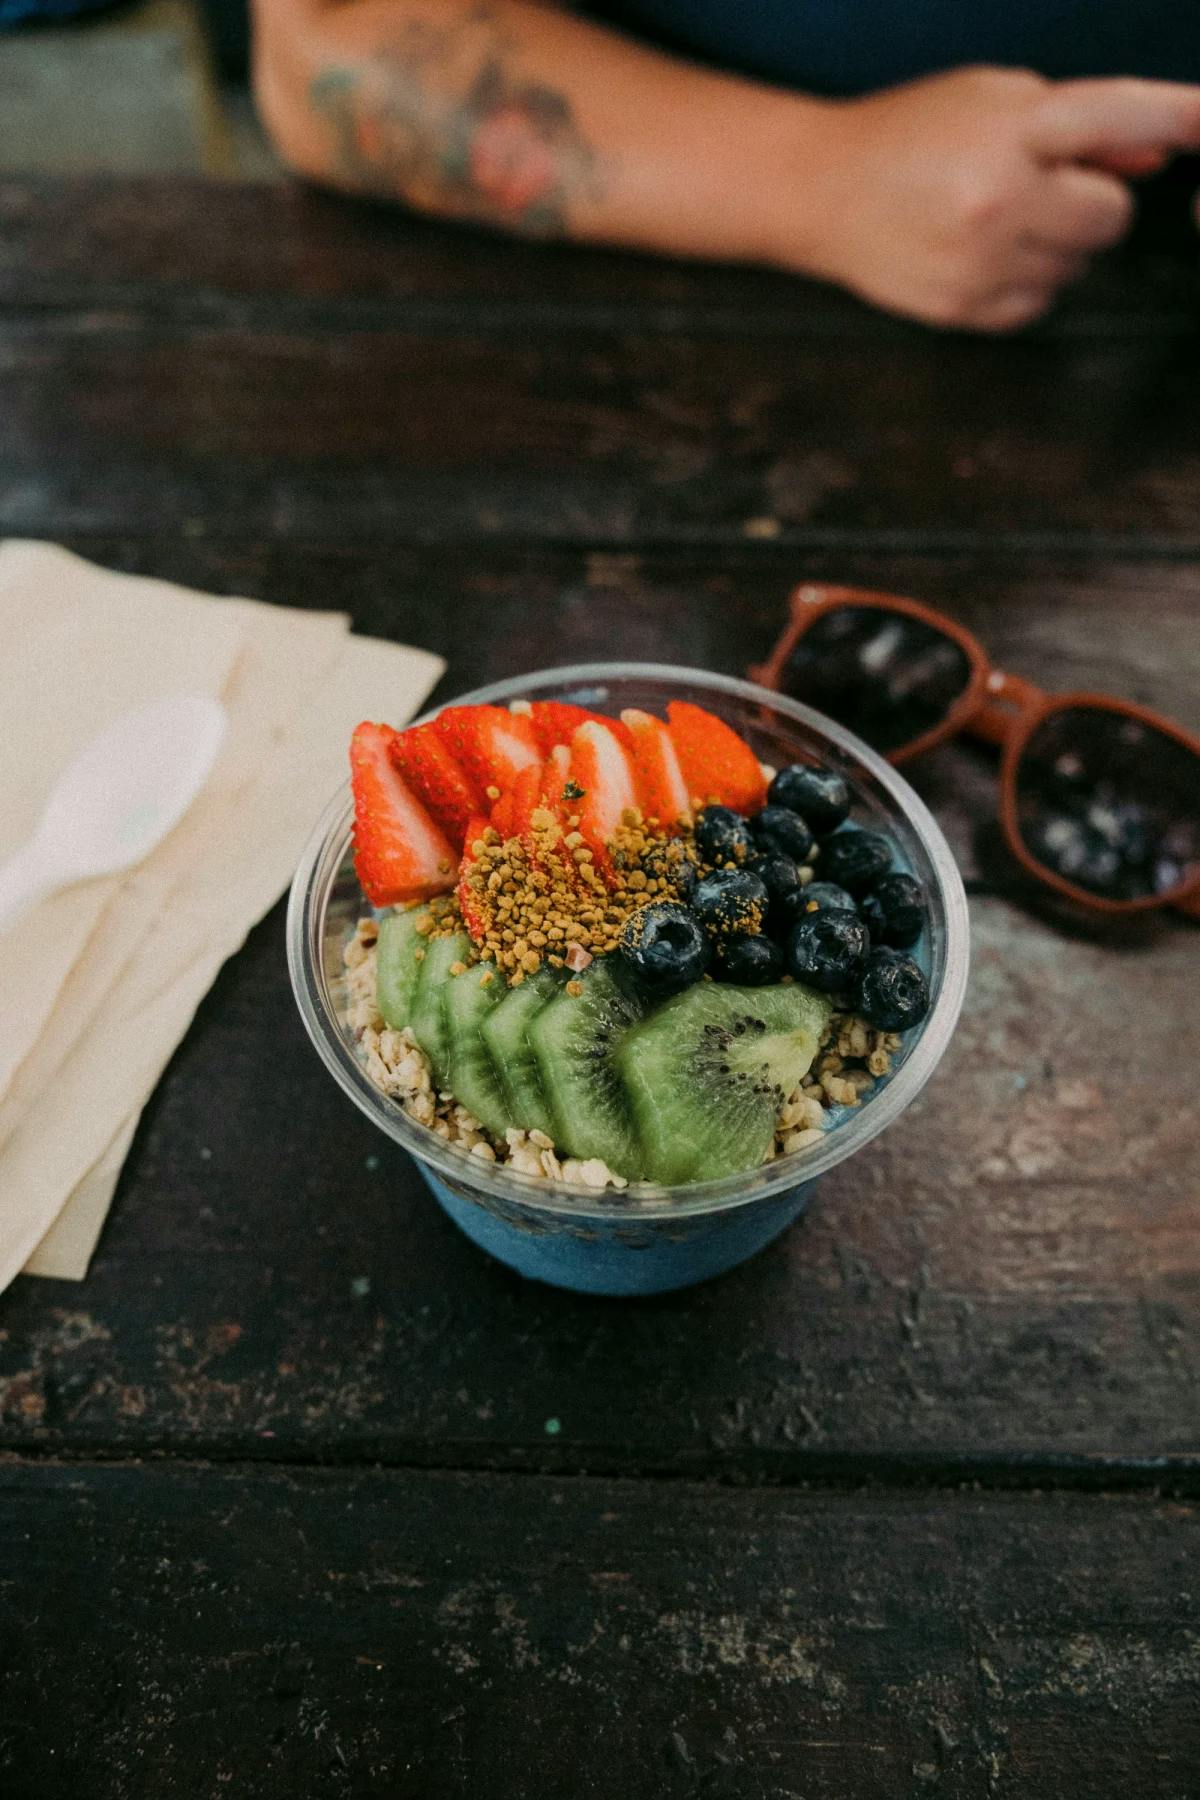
[
  {"x": 502, "y": 816},
  {"x": 439, "y": 782},
  {"x": 526, "y": 796},
  {"x": 399, "y": 852},
  {"x": 556, "y": 722},
  {"x": 492, "y": 744},
  {"x": 717, "y": 764},
  {"x": 555, "y": 776},
  {"x": 661, "y": 787},
  {"x": 601, "y": 768}
]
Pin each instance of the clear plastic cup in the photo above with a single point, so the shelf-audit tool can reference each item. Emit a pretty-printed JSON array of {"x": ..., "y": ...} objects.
[{"x": 644, "y": 1239}]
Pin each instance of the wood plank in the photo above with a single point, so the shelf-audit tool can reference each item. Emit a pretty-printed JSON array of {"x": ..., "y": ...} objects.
[
  {"x": 417, "y": 1635},
  {"x": 1011, "y": 1277},
  {"x": 242, "y": 252},
  {"x": 1008, "y": 1279},
  {"x": 110, "y": 422}
]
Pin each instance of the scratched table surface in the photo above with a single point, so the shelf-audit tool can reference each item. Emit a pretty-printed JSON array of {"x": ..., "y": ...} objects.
[{"x": 301, "y": 1494}]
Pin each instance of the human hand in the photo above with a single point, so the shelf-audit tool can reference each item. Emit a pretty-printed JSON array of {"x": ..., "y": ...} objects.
[{"x": 969, "y": 199}]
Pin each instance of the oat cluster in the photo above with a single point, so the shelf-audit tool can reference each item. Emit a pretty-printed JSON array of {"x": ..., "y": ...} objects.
[{"x": 540, "y": 898}]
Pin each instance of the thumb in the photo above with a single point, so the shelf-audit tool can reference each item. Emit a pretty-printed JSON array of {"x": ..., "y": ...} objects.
[{"x": 1115, "y": 123}]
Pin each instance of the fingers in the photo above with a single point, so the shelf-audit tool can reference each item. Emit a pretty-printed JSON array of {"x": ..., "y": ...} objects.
[
  {"x": 1134, "y": 164},
  {"x": 1079, "y": 210},
  {"x": 1108, "y": 120}
]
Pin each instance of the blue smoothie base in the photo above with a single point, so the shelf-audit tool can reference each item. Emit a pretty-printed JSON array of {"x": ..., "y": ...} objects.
[{"x": 624, "y": 1255}]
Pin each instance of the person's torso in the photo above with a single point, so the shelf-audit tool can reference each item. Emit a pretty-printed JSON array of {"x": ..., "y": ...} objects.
[{"x": 859, "y": 46}]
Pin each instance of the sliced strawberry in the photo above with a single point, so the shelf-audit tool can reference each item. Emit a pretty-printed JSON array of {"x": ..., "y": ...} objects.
[
  {"x": 601, "y": 768},
  {"x": 502, "y": 815},
  {"x": 512, "y": 815},
  {"x": 556, "y": 722},
  {"x": 555, "y": 776},
  {"x": 491, "y": 744},
  {"x": 438, "y": 779},
  {"x": 717, "y": 764},
  {"x": 467, "y": 905},
  {"x": 526, "y": 796},
  {"x": 553, "y": 800},
  {"x": 662, "y": 790},
  {"x": 399, "y": 852}
]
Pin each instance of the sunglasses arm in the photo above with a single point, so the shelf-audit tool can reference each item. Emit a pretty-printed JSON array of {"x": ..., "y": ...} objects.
[{"x": 1007, "y": 699}]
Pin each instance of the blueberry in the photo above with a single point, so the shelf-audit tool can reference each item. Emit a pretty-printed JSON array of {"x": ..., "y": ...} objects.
[
  {"x": 750, "y": 961},
  {"x": 826, "y": 894},
  {"x": 730, "y": 900},
  {"x": 776, "y": 828},
  {"x": 894, "y": 911},
  {"x": 665, "y": 947},
  {"x": 723, "y": 836},
  {"x": 892, "y": 991},
  {"x": 855, "y": 859},
  {"x": 820, "y": 797},
  {"x": 802, "y": 903},
  {"x": 778, "y": 874},
  {"x": 826, "y": 950}
]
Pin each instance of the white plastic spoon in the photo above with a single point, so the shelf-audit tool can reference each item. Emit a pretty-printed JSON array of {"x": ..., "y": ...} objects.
[{"x": 117, "y": 799}]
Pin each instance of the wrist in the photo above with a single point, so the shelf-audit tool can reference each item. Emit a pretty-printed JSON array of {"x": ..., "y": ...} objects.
[{"x": 801, "y": 158}]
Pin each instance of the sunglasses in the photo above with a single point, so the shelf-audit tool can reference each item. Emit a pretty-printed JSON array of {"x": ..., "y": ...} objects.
[{"x": 1099, "y": 798}]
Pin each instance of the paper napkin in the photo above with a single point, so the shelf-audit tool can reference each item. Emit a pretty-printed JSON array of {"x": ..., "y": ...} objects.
[{"x": 131, "y": 958}]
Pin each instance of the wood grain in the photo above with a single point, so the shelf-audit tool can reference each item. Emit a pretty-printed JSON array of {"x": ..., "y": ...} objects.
[
  {"x": 520, "y": 456},
  {"x": 209, "y": 253},
  {"x": 108, "y": 422},
  {"x": 1009, "y": 1277},
  {"x": 1039, "y": 1217},
  {"x": 367, "y": 1633},
  {"x": 1008, "y": 1282},
  {"x": 175, "y": 358}
]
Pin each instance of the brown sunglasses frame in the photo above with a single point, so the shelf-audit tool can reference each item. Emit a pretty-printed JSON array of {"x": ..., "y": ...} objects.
[{"x": 1004, "y": 710}]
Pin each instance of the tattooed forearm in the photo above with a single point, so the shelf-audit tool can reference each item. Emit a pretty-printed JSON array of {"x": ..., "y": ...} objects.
[{"x": 440, "y": 119}]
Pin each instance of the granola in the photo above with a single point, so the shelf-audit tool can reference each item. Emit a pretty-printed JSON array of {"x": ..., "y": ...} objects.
[{"x": 853, "y": 1055}]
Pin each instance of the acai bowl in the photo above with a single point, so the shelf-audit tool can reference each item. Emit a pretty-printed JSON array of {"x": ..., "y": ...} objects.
[{"x": 582, "y": 1221}]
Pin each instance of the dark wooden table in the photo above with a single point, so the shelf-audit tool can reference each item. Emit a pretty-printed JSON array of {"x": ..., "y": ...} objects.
[{"x": 301, "y": 1495}]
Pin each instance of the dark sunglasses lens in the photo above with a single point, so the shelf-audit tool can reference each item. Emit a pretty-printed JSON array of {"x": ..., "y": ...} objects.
[
  {"x": 888, "y": 677},
  {"x": 1109, "y": 803}
]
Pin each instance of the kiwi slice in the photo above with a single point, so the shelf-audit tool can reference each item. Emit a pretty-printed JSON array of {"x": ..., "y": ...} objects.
[
  {"x": 467, "y": 1001},
  {"x": 427, "y": 1017},
  {"x": 575, "y": 1038},
  {"x": 505, "y": 1031},
  {"x": 708, "y": 1071},
  {"x": 398, "y": 968}
]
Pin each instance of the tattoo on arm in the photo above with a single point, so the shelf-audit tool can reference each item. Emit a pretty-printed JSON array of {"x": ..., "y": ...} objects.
[{"x": 440, "y": 119}]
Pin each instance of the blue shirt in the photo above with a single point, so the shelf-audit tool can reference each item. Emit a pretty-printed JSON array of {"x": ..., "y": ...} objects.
[{"x": 859, "y": 46}]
